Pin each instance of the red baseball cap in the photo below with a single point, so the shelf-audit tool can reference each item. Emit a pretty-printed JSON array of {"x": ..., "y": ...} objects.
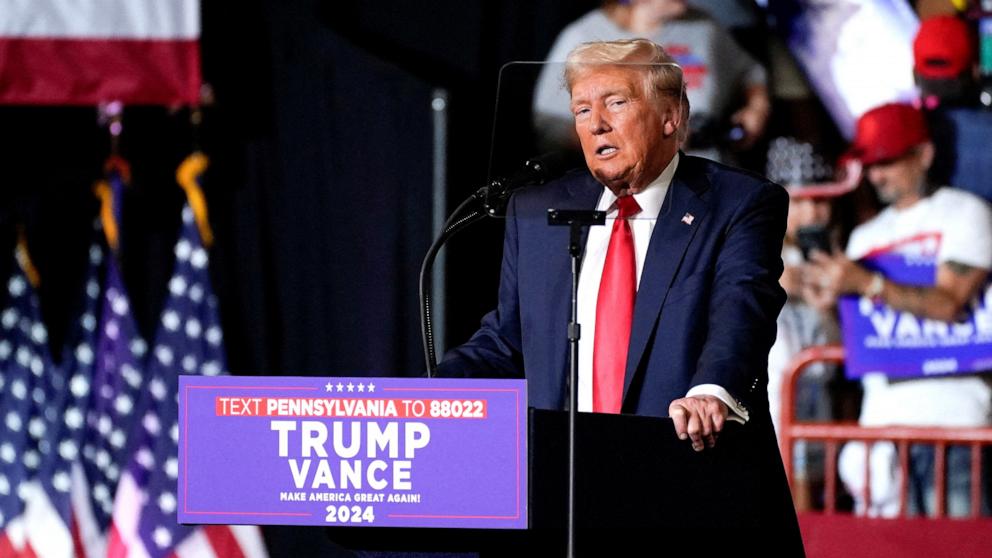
[
  {"x": 944, "y": 48},
  {"x": 888, "y": 132}
]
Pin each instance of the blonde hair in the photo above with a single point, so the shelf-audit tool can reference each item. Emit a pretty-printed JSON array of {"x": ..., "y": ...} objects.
[{"x": 662, "y": 75}]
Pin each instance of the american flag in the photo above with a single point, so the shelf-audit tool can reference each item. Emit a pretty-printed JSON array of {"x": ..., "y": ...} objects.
[
  {"x": 115, "y": 385},
  {"x": 856, "y": 55},
  {"x": 19, "y": 449},
  {"x": 49, "y": 512},
  {"x": 109, "y": 392},
  {"x": 84, "y": 52},
  {"x": 42, "y": 419},
  {"x": 88, "y": 449},
  {"x": 188, "y": 341}
]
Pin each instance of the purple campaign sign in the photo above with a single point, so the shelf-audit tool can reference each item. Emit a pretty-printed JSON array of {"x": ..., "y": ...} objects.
[
  {"x": 386, "y": 452},
  {"x": 901, "y": 345}
]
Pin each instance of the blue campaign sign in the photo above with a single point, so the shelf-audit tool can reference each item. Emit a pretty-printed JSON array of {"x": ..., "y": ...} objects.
[
  {"x": 389, "y": 452},
  {"x": 878, "y": 338}
]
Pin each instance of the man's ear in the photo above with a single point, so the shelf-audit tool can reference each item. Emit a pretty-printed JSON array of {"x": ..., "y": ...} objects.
[
  {"x": 671, "y": 121},
  {"x": 671, "y": 127}
]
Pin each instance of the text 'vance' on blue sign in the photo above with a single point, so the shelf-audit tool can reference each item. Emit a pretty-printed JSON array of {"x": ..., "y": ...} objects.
[{"x": 392, "y": 452}]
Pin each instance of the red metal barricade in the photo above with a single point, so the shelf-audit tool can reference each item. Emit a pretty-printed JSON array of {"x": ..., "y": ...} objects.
[{"x": 846, "y": 533}]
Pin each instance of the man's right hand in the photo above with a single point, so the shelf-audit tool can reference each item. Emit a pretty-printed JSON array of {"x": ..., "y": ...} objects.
[{"x": 698, "y": 418}]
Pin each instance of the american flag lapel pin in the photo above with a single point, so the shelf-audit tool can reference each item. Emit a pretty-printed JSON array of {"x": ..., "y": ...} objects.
[{"x": 688, "y": 218}]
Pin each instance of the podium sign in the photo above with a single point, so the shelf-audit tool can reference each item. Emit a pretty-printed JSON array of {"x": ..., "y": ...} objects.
[{"x": 385, "y": 452}]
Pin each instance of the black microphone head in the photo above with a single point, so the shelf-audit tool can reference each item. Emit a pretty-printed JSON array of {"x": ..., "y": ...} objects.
[{"x": 535, "y": 171}]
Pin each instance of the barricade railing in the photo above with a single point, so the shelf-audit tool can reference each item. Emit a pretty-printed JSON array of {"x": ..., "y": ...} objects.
[{"x": 834, "y": 434}]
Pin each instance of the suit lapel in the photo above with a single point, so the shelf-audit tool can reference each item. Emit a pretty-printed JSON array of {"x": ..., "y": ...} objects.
[
  {"x": 582, "y": 193},
  {"x": 669, "y": 241}
]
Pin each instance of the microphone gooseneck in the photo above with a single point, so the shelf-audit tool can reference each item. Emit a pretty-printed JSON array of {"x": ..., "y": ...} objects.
[{"x": 488, "y": 201}]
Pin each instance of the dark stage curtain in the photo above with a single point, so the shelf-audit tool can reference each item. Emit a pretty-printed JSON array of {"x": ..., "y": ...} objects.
[
  {"x": 326, "y": 234},
  {"x": 319, "y": 188}
]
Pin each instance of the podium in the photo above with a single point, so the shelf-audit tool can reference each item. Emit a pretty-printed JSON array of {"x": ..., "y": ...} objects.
[
  {"x": 637, "y": 484},
  {"x": 441, "y": 466}
]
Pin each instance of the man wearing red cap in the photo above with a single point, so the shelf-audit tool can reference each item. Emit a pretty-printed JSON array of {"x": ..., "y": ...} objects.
[
  {"x": 952, "y": 227},
  {"x": 944, "y": 57}
]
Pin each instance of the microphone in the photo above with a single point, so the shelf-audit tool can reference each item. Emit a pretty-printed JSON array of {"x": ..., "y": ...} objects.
[
  {"x": 494, "y": 196},
  {"x": 535, "y": 171}
]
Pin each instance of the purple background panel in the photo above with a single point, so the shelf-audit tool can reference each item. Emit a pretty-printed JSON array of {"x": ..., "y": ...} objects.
[{"x": 471, "y": 474}]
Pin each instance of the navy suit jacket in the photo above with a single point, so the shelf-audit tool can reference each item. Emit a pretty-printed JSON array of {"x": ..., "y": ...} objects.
[{"x": 705, "y": 308}]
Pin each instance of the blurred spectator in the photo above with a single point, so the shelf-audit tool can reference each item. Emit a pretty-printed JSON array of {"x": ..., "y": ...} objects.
[
  {"x": 803, "y": 172},
  {"x": 743, "y": 19},
  {"x": 893, "y": 144},
  {"x": 945, "y": 57},
  {"x": 733, "y": 15},
  {"x": 811, "y": 225},
  {"x": 725, "y": 86}
]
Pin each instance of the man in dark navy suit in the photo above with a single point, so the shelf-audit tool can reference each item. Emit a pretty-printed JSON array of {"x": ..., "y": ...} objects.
[{"x": 678, "y": 295}]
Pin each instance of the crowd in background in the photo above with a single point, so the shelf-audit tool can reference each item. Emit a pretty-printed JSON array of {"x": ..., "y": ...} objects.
[
  {"x": 288, "y": 129},
  {"x": 856, "y": 207}
]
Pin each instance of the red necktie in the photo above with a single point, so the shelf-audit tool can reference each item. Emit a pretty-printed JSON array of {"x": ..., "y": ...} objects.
[{"x": 614, "y": 312}]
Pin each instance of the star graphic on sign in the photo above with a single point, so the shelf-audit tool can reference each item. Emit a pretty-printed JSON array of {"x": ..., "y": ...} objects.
[
  {"x": 329, "y": 387},
  {"x": 351, "y": 387},
  {"x": 371, "y": 387},
  {"x": 340, "y": 387},
  {"x": 361, "y": 387}
]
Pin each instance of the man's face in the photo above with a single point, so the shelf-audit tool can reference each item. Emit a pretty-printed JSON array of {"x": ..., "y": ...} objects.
[
  {"x": 627, "y": 138},
  {"x": 900, "y": 181},
  {"x": 807, "y": 212}
]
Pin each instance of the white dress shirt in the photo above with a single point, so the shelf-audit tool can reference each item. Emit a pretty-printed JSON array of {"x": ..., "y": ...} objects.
[{"x": 642, "y": 225}]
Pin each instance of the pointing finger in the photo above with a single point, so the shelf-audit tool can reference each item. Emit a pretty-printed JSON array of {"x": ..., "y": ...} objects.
[{"x": 679, "y": 414}]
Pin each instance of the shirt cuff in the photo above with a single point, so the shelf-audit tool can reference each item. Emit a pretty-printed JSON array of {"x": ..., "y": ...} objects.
[{"x": 737, "y": 411}]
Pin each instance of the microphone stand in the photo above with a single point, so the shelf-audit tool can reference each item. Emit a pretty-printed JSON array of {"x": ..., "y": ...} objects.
[
  {"x": 575, "y": 220},
  {"x": 493, "y": 198},
  {"x": 455, "y": 223}
]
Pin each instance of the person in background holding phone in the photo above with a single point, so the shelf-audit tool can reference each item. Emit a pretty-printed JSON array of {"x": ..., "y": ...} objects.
[{"x": 811, "y": 226}]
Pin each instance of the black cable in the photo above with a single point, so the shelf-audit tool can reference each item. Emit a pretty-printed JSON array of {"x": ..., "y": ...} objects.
[{"x": 452, "y": 226}]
